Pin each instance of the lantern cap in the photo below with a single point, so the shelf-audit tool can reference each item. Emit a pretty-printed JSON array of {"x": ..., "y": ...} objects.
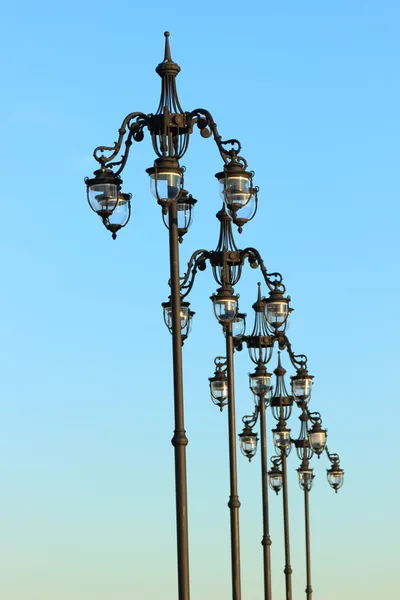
[
  {"x": 103, "y": 176},
  {"x": 165, "y": 164},
  {"x": 234, "y": 168}
]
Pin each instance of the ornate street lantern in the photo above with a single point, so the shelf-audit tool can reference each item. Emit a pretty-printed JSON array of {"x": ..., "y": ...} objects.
[
  {"x": 219, "y": 386},
  {"x": 275, "y": 478},
  {"x": 277, "y": 310},
  {"x": 282, "y": 439},
  {"x": 248, "y": 442},
  {"x": 238, "y": 193},
  {"x": 301, "y": 385},
  {"x": 335, "y": 476},
  {"x": 317, "y": 437},
  {"x": 166, "y": 179},
  {"x": 225, "y": 304},
  {"x": 106, "y": 199}
]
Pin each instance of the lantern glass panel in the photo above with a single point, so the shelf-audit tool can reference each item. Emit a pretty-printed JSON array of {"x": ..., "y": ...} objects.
[
  {"x": 260, "y": 384},
  {"x": 248, "y": 445},
  {"x": 317, "y": 440},
  {"x": 305, "y": 479},
  {"x": 277, "y": 313},
  {"x": 225, "y": 309},
  {"x": 165, "y": 186},
  {"x": 246, "y": 212},
  {"x": 183, "y": 313},
  {"x": 235, "y": 190},
  {"x": 184, "y": 215},
  {"x": 275, "y": 481},
  {"x": 219, "y": 389},
  {"x": 335, "y": 479},
  {"x": 302, "y": 388},
  {"x": 238, "y": 326},
  {"x": 282, "y": 439},
  {"x": 103, "y": 197}
]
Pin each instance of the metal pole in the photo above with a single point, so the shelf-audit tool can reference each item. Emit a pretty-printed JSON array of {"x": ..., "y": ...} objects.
[
  {"x": 288, "y": 568},
  {"x": 179, "y": 440},
  {"x": 266, "y": 541},
  {"x": 233, "y": 503},
  {"x": 308, "y": 561}
]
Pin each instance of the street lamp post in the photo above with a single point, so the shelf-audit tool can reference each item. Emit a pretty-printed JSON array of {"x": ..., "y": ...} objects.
[{"x": 170, "y": 128}]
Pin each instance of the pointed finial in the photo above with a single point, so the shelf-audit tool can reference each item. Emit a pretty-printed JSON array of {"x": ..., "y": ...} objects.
[
  {"x": 167, "y": 53},
  {"x": 279, "y": 360},
  {"x": 259, "y": 292},
  {"x": 167, "y": 67}
]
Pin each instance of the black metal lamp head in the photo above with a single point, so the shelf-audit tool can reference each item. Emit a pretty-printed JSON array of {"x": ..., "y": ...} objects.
[
  {"x": 317, "y": 437},
  {"x": 186, "y": 315},
  {"x": 219, "y": 385},
  {"x": 260, "y": 383},
  {"x": 275, "y": 478},
  {"x": 282, "y": 439},
  {"x": 225, "y": 304},
  {"x": 301, "y": 385},
  {"x": 166, "y": 179},
  {"x": 277, "y": 310},
  {"x": 335, "y": 476},
  {"x": 184, "y": 207},
  {"x": 248, "y": 442},
  {"x": 306, "y": 476},
  {"x": 106, "y": 199},
  {"x": 238, "y": 193}
]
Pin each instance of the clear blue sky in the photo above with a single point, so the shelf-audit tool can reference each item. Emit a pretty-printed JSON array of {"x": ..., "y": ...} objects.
[{"x": 312, "y": 90}]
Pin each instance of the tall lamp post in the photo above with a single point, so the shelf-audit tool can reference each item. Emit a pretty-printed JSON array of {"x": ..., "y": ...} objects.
[{"x": 170, "y": 128}]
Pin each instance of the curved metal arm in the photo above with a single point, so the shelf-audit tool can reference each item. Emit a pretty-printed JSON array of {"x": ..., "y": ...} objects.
[
  {"x": 274, "y": 281},
  {"x": 205, "y": 122},
  {"x": 299, "y": 361},
  {"x": 276, "y": 460},
  {"x": 314, "y": 417},
  {"x": 135, "y": 122},
  {"x": 220, "y": 362},
  {"x": 197, "y": 262},
  {"x": 334, "y": 458},
  {"x": 251, "y": 420}
]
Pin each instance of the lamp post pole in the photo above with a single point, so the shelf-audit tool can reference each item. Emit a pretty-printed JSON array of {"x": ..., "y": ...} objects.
[
  {"x": 234, "y": 503},
  {"x": 266, "y": 541},
  {"x": 288, "y": 568},
  {"x": 309, "y": 590},
  {"x": 179, "y": 440}
]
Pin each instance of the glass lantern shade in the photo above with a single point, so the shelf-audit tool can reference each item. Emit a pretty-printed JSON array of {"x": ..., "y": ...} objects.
[
  {"x": 317, "y": 437},
  {"x": 225, "y": 307},
  {"x": 275, "y": 479},
  {"x": 260, "y": 385},
  {"x": 242, "y": 214},
  {"x": 219, "y": 388},
  {"x": 248, "y": 443},
  {"x": 235, "y": 190},
  {"x": 282, "y": 440},
  {"x": 120, "y": 212},
  {"x": 335, "y": 477},
  {"x": 239, "y": 325},
  {"x": 277, "y": 313},
  {"x": 165, "y": 186},
  {"x": 103, "y": 198},
  {"x": 301, "y": 386},
  {"x": 185, "y": 315},
  {"x": 305, "y": 478}
]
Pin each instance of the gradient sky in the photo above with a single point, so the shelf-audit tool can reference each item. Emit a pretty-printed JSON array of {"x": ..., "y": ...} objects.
[{"x": 312, "y": 90}]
